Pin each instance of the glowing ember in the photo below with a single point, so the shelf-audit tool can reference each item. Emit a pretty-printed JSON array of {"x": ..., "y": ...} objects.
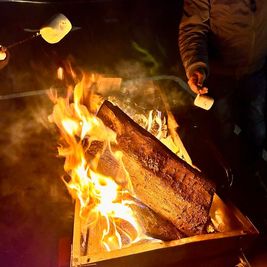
[
  {"x": 60, "y": 73},
  {"x": 105, "y": 203}
]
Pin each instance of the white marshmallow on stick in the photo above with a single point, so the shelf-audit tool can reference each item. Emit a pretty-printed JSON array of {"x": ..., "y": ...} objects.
[{"x": 56, "y": 29}]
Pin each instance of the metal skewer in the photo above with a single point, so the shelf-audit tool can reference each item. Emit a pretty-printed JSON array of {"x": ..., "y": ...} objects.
[{"x": 23, "y": 41}]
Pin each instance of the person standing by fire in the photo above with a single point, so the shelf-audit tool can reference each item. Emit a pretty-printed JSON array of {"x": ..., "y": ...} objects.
[{"x": 223, "y": 45}]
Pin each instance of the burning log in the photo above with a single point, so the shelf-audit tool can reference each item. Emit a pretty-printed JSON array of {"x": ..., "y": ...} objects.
[
  {"x": 161, "y": 180},
  {"x": 152, "y": 223}
]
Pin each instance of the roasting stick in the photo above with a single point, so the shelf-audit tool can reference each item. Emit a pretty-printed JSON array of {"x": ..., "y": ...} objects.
[
  {"x": 53, "y": 32},
  {"x": 4, "y": 50},
  {"x": 24, "y": 94},
  {"x": 23, "y": 41}
]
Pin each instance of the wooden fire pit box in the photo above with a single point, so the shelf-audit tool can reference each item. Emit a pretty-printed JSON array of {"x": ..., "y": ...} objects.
[{"x": 234, "y": 232}]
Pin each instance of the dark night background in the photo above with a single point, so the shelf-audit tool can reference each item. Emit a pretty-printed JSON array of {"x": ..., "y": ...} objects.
[{"x": 128, "y": 39}]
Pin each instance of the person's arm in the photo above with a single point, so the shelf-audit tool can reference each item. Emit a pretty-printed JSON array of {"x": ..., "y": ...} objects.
[{"x": 193, "y": 39}]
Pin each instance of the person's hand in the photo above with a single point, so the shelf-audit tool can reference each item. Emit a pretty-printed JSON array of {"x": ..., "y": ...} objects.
[
  {"x": 4, "y": 57},
  {"x": 196, "y": 81}
]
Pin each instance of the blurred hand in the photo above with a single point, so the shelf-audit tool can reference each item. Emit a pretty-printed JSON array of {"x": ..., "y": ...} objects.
[
  {"x": 4, "y": 57},
  {"x": 196, "y": 81}
]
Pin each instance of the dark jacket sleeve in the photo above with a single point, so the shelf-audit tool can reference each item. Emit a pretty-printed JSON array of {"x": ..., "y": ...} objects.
[{"x": 193, "y": 35}]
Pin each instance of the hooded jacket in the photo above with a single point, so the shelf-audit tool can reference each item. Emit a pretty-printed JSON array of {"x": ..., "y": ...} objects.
[{"x": 227, "y": 37}]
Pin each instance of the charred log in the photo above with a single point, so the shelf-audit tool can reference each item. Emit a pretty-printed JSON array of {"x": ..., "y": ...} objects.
[
  {"x": 152, "y": 223},
  {"x": 161, "y": 180}
]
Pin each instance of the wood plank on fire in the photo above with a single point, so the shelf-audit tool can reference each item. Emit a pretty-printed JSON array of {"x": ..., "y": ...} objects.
[
  {"x": 153, "y": 224},
  {"x": 161, "y": 180}
]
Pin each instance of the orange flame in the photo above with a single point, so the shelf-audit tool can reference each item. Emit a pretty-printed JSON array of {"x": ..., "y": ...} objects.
[
  {"x": 103, "y": 202},
  {"x": 60, "y": 73}
]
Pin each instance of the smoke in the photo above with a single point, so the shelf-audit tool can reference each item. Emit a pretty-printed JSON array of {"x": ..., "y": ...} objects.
[
  {"x": 28, "y": 146},
  {"x": 34, "y": 201},
  {"x": 141, "y": 92},
  {"x": 23, "y": 119},
  {"x": 130, "y": 69},
  {"x": 35, "y": 205}
]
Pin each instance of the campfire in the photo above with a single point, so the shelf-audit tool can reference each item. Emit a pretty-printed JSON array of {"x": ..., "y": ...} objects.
[{"x": 134, "y": 184}]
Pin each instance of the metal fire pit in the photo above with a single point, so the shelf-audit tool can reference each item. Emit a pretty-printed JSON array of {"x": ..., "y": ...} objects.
[{"x": 234, "y": 231}]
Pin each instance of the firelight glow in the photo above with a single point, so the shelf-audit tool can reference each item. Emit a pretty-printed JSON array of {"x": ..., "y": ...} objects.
[{"x": 104, "y": 203}]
